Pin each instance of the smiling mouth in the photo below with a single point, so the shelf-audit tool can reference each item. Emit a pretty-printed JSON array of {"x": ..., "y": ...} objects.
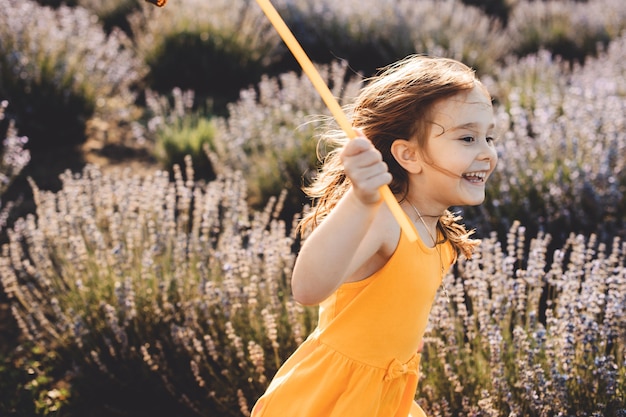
[{"x": 475, "y": 177}]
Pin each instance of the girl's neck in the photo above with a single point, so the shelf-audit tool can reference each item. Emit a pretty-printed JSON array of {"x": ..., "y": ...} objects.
[
  {"x": 425, "y": 222},
  {"x": 428, "y": 214}
]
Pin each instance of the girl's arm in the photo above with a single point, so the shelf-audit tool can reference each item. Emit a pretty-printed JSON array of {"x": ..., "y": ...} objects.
[{"x": 345, "y": 240}]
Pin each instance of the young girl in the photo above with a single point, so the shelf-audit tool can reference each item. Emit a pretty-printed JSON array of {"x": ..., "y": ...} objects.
[{"x": 426, "y": 129}]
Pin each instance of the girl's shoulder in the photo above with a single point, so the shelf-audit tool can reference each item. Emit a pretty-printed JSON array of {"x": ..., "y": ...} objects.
[
  {"x": 378, "y": 245},
  {"x": 386, "y": 227}
]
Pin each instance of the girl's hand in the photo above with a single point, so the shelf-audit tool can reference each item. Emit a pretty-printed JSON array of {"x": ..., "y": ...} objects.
[{"x": 364, "y": 166}]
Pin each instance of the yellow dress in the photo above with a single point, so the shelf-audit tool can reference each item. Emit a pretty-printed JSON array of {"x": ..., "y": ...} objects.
[{"x": 362, "y": 359}]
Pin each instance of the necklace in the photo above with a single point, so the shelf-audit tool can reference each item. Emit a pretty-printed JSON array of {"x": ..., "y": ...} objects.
[{"x": 443, "y": 284}]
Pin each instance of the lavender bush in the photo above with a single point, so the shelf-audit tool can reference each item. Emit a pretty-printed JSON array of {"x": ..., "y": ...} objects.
[
  {"x": 557, "y": 174},
  {"x": 570, "y": 29},
  {"x": 59, "y": 70},
  {"x": 367, "y": 40},
  {"x": 177, "y": 288},
  {"x": 563, "y": 146},
  {"x": 562, "y": 142},
  {"x": 147, "y": 287},
  {"x": 269, "y": 135},
  {"x": 530, "y": 332},
  {"x": 13, "y": 158},
  {"x": 173, "y": 296},
  {"x": 215, "y": 48}
]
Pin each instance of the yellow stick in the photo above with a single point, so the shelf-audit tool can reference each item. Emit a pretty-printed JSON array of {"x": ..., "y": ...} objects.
[{"x": 332, "y": 104}]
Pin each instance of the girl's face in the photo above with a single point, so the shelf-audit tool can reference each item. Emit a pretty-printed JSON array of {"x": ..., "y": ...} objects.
[{"x": 460, "y": 153}]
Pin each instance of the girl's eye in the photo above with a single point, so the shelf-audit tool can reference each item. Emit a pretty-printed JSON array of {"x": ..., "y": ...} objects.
[{"x": 471, "y": 139}]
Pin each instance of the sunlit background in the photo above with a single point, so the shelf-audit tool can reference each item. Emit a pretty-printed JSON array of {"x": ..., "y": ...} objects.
[{"x": 151, "y": 175}]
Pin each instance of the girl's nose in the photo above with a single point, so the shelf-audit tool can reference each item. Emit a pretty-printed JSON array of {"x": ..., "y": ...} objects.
[{"x": 488, "y": 152}]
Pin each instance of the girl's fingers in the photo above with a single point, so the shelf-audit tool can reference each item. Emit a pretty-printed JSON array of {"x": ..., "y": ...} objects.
[
  {"x": 364, "y": 166},
  {"x": 360, "y": 152},
  {"x": 366, "y": 171},
  {"x": 356, "y": 146}
]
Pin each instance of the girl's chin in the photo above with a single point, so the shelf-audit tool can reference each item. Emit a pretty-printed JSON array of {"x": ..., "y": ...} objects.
[{"x": 474, "y": 200}]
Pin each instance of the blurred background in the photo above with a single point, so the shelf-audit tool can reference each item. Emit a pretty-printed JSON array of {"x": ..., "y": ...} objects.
[{"x": 151, "y": 174}]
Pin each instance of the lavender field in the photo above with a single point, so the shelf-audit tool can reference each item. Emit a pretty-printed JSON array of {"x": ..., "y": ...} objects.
[{"x": 150, "y": 182}]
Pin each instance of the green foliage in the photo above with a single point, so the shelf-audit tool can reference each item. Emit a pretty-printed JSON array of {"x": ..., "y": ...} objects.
[
  {"x": 13, "y": 396},
  {"x": 188, "y": 137},
  {"x": 28, "y": 384},
  {"x": 530, "y": 332},
  {"x": 178, "y": 131},
  {"x": 161, "y": 294}
]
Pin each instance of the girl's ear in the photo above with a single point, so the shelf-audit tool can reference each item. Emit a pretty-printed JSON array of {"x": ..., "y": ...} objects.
[{"x": 407, "y": 155}]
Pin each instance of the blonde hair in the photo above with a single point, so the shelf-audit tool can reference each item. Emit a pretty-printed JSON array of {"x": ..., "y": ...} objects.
[{"x": 396, "y": 103}]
